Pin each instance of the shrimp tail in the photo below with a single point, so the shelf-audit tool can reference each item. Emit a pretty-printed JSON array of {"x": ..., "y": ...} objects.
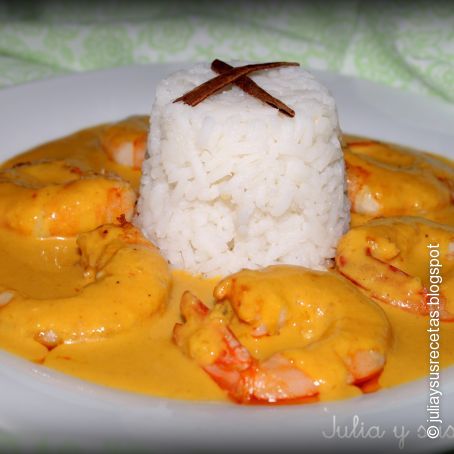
[
  {"x": 245, "y": 379},
  {"x": 234, "y": 369},
  {"x": 233, "y": 366}
]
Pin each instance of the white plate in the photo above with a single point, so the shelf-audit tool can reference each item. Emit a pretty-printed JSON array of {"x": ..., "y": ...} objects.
[{"x": 40, "y": 407}]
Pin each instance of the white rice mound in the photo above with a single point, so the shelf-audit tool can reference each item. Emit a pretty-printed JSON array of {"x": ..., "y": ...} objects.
[{"x": 233, "y": 183}]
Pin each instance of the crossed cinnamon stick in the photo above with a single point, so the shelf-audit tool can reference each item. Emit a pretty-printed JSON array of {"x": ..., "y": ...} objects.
[{"x": 238, "y": 76}]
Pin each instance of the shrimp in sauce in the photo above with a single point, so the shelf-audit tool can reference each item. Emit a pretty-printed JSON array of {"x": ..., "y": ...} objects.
[
  {"x": 125, "y": 142},
  {"x": 54, "y": 198},
  {"x": 389, "y": 259},
  {"x": 104, "y": 305},
  {"x": 390, "y": 181},
  {"x": 312, "y": 342}
]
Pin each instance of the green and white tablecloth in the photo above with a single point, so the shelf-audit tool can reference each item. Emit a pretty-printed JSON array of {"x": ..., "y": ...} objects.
[{"x": 406, "y": 44}]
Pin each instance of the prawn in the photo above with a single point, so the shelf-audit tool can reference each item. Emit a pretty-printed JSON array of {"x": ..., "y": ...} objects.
[
  {"x": 125, "y": 142},
  {"x": 389, "y": 181},
  {"x": 317, "y": 332},
  {"x": 118, "y": 262},
  {"x": 54, "y": 198},
  {"x": 389, "y": 258}
]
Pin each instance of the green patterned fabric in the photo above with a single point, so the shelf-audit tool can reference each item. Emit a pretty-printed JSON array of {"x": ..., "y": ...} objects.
[{"x": 406, "y": 44}]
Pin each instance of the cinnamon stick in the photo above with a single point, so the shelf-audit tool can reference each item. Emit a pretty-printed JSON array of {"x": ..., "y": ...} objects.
[
  {"x": 203, "y": 91},
  {"x": 251, "y": 88}
]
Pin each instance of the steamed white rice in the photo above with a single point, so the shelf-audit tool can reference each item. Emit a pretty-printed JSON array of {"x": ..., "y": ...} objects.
[{"x": 233, "y": 183}]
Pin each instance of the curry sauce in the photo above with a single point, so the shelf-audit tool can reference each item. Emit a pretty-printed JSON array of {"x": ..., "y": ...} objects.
[{"x": 143, "y": 357}]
